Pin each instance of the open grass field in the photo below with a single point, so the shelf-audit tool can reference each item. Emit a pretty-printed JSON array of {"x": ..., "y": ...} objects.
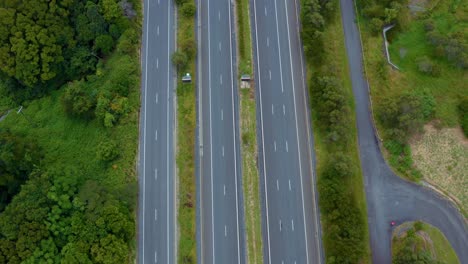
[
  {"x": 442, "y": 156},
  {"x": 423, "y": 238},
  {"x": 337, "y": 64}
]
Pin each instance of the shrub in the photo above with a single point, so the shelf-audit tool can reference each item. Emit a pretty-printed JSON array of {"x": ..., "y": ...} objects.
[
  {"x": 463, "y": 114},
  {"x": 426, "y": 66},
  {"x": 418, "y": 226},
  {"x": 107, "y": 150},
  {"x": 189, "y": 9},
  {"x": 405, "y": 113},
  {"x": 77, "y": 100},
  {"x": 376, "y": 25},
  {"x": 179, "y": 59}
]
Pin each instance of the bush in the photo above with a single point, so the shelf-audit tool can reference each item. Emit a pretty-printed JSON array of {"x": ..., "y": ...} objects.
[
  {"x": 463, "y": 114},
  {"x": 189, "y": 9},
  {"x": 107, "y": 150},
  {"x": 404, "y": 114},
  {"x": 181, "y": 2},
  {"x": 179, "y": 59},
  {"x": 376, "y": 25},
  {"x": 426, "y": 66},
  {"x": 77, "y": 100}
]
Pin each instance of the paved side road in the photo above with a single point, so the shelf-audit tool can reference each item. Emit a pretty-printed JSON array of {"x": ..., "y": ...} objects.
[
  {"x": 156, "y": 214},
  {"x": 290, "y": 220},
  {"x": 388, "y": 196},
  {"x": 221, "y": 230}
]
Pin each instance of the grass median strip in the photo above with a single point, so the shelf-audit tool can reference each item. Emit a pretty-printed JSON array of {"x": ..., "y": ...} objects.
[
  {"x": 184, "y": 59},
  {"x": 249, "y": 148}
]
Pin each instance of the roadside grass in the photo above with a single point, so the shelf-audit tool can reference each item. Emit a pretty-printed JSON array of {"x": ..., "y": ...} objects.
[
  {"x": 408, "y": 43},
  {"x": 442, "y": 156},
  {"x": 424, "y": 238},
  {"x": 248, "y": 128},
  {"x": 186, "y": 125},
  {"x": 337, "y": 64}
]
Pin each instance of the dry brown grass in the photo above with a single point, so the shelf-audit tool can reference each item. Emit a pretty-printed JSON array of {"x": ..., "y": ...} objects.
[{"x": 442, "y": 157}]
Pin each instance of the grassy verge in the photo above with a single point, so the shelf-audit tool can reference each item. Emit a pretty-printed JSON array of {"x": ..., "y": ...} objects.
[
  {"x": 427, "y": 71},
  {"x": 421, "y": 241},
  {"x": 340, "y": 183},
  {"x": 248, "y": 127},
  {"x": 186, "y": 125}
]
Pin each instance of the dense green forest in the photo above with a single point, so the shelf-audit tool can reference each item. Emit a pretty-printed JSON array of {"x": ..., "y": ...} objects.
[{"x": 67, "y": 161}]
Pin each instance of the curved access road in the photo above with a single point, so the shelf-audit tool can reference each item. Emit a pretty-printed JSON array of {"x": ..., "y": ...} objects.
[{"x": 388, "y": 196}]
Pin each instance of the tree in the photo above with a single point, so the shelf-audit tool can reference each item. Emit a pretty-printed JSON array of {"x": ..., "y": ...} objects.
[
  {"x": 104, "y": 44},
  {"x": 18, "y": 158},
  {"x": 77, "y": 100},
  {"x": 107, "y": 150},
  {"x": 189, "y": 9}
]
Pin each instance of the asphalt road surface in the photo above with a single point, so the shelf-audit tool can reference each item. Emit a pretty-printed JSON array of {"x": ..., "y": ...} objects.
[
  {"x": 220, "y": 209},
  {"x": 390, "y": 198},
  {"x": 156, "y": 227},
  {"x": 290, "y": 220}
]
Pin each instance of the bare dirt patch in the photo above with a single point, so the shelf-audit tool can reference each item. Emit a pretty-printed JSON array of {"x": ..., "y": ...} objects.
[{"x": 442, "y": 157}]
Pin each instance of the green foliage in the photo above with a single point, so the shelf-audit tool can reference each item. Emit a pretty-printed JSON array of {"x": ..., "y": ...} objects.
[
  {"x": 409, "y": 249},
  {"x": 452, "y": 46},
  {"x": 340, "y": 192},
  {"x": 107, "y": 150},
  {"x": 380, "y": 13},
  {"x": 18, "y": 158},
  {"x": 104, "y": 44},
  {"x": 71, "y": 208},
  {"x": 314, "y": 14},
  {"x": 46, "y": 44},
  {"x": 342, "y": 216},
  {"x": 463, "y": 114},
  {"x": 188, "y": 9},
  {"x": 181, "y": 2},
  {"x": 78, "y": 100},
  {"x": 426, "y": 66},
  {"x": 404, "y": 114},
  {"x": 328, "y": 95},
  {"x": 179, "y": 59}
]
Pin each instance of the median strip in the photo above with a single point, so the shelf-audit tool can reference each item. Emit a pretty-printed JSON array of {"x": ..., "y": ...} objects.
[
  {"x": 184, "y": 60},
  {"x": 248, "y": 127}
]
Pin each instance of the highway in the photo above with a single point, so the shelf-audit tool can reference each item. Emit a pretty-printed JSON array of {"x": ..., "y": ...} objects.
[
  {"x": 290, "y": 219},
  {"x": 156, "y": 169},
  {"x": 220, "y": 224},
  {"x": 390, "y": 198}
]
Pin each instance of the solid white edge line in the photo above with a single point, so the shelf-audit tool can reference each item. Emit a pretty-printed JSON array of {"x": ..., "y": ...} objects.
[
  {"x": 211, "y": 136},
  {"x": 263, "y": 136},
  {"x": 144, "y": 131},
  {"x": 297, "y": 132},
  {"x": 234, "y": 136},
  {"x": 167, "y": 126},
  {"x": 200, "y": 127}
]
